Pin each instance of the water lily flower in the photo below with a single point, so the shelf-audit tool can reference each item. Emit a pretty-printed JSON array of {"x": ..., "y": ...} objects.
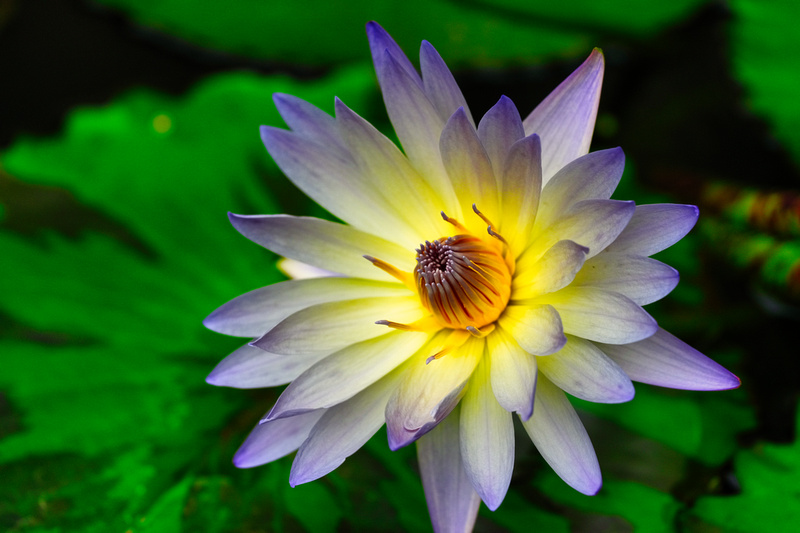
[{"x": 482, "y": 271}]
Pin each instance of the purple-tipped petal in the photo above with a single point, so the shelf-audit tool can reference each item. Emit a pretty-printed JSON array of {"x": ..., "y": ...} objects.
[
  {"x": 560, "y": 437},
  {"x": 655, "y": 227},
  {"x": 513, "y": 374},
  {"x": 399, "y": 436},
  {"x": 468, "y": 166},
  {"x": 381, "y": 44},
  {"x": 536, "y": 328},
  {"x": 452, "y": 501},
  {"x": 641, "y": 279},
  {"x": 307, "y": 120},
  {"x": 601, "y": 316},
  {"x": 498, "y": 130},
  {"x": 253, "y": 368},
  {"x": 487, "y": 439},
  {"x": 330, "y": 176},
  {"x": 342, "y": 430},
  {"x": 592, "y": 176},
  {"x": 591, "y": 223},
  {"x": 583, "y": 370},
  {"x": 552, "y": 272},
  {"x": 392, "y": 176},
  {"x": 347, "y": 372},
  {"x": 324, "y": 244},
  {"x": 429, "y": 391},
  {"x": 331, "y": 326},
  {"x": 439, "y": 84},
  {"x": 520, "y": 187},
  {"x": 272, "y": 440},
  {"x": 565, "y": 119},
  {"x": 667, "y": 361},
  {"x": 418, "y": 126},
  {"x": 256, "y": 312}
]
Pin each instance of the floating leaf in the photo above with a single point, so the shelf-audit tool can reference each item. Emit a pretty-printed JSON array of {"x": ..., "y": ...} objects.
[
  {"x": 107, "y": 370},
  {"x": 479, "y": 33},
  {"x": 769, "y": 499},
  {"x": 762, "y": 33}
]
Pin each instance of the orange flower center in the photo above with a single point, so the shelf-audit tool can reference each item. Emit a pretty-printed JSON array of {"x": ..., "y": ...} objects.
[{"x": 462, "y": 281}]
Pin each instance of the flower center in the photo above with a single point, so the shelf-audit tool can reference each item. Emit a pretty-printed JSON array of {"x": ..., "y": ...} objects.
[{"x": 462, "y": 281}]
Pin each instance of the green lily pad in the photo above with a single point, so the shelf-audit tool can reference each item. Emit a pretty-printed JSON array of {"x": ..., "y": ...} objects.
[
  {"x": 763, "y": 36},
  {"x": 477, "y": 33},
  {"x": 769, "y": 499}
]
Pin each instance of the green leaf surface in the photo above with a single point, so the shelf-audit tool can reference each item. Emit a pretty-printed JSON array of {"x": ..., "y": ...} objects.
[
  {"x": 476, "y": 33},
  {"x": 644, "y": 508},
  {"x": 105, "y": 380},
  {"x": 764, "y": 39},
  {"x": 769, "y": 501}
]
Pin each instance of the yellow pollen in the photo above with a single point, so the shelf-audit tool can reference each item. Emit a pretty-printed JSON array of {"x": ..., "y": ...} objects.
[{"x": 464, "y": 282}]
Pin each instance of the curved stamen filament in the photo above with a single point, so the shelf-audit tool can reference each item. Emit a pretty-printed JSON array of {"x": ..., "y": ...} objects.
[
  {"x": 405, "y": 277},
  {"x": 489, "y": 229}
]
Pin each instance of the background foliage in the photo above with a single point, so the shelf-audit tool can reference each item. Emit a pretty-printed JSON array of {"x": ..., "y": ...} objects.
[{"x": 128, "y": 129}]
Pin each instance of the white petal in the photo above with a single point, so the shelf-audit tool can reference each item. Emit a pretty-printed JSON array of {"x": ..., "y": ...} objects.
[
  {"x": 498, "y": 130},
  {"x": 560, "y": 437},
  {"x": 565, "y": 119},
  {"x": 323, "y": 244},
  {"x": 583, "y": 370},
  {"x": 429, "y": 391},
  {"x": 258, "y": 311},
  {"x": 591, "y": 223},
  {"x": 452, "y": 501},
  {"x": 251, "y": 368},
  {"x": 655, "y": 227},
  {"x": 272, "y": 440},
  {"x": 329, "y": 175},
  {"x": 307, "y": 120},
  {"x": 294, "y": 269},
  {"x": 468, "y": 166},
  {"x": 398, "y": 187},
  {"x": 381, "y": 44},
  {"x": 553, "y": 271},
  {"x": 487, "y": 439},
  {"x": 592, "y": 176},
  {"x": 439, "y": 84},
  {"x": 347, "y": 372},
  {"x": 328, "y": 327},
  {"x": 600, "y": 315},
  {"x": 513, "y": 373},
  {"x": 537, "y": 328},
  {"x": 520, "y": 186},
  {"x": 667, "y": 361},
  {"x": 418, "y": 126},
  {"x": 342, "y": 430},
  {"x": 641, "y": 279}
]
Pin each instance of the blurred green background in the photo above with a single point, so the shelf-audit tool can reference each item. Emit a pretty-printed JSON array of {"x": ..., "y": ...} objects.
[{"x": 129, "y": 127}]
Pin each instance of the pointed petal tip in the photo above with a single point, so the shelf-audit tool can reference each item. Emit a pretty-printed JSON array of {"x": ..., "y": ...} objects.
[
  {"x": 297, "y": 476},
  {"x": 212, "y": 379},
  {"x": 236, "y": 220},
  {"x": 596, "y": 59},
  {"x": 281, "y": 98},
  {"x": 592, "y": 488},
  {"x": 373, "y": 26},
  {"x": 729, "y": 382},
  {"x": 492, "y": 503},
  {"x": 242, "y": 460}
]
